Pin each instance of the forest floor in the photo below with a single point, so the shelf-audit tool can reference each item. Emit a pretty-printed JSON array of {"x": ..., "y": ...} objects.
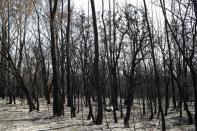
[{"x": 17, "y": 118}]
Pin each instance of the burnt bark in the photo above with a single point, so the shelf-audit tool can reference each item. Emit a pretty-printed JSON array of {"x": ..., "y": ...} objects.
[{"x": 99, "y": 117}]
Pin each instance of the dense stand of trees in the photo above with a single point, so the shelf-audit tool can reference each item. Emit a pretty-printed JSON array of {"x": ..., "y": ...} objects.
[{"x": 112, "y": 58}]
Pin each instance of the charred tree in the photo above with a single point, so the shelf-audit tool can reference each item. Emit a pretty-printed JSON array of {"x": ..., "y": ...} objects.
[{"x": 99, "y": 117}]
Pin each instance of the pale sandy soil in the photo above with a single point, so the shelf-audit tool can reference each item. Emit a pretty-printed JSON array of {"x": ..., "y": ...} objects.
[{"x": 17, "y": 118}]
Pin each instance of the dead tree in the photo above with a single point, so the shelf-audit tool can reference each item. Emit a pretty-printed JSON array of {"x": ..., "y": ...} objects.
[
  {"x": 188, "y": 59},
  {"x": 136, "y": 36},
  {"x": 43, "y": 65},
  {"x": 57, "y": 101},
  {"x": 155, "y": 68},
  {"x": 99, "y": 117}
]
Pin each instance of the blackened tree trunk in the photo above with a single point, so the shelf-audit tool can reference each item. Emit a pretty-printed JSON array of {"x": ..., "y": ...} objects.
[
  {"x": 68, "y": 82},
  {"x": 155, "y": 69},
  {"x": 68, "y": 65},
  {"x": 114, "y": 69},
  {"x": 129, "y": 97},
  {"x": 170, "y": 67},
  {"x": 99, "y": 117},
  {"x": 166, "y": 79},
  {"x": 43, "y": 65},
  {"x": 194, "y": 78},
  {"x": 3, "y": 63},
  {"x": 62, "y": 57},
  {"x": 57, "y": 102}
]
